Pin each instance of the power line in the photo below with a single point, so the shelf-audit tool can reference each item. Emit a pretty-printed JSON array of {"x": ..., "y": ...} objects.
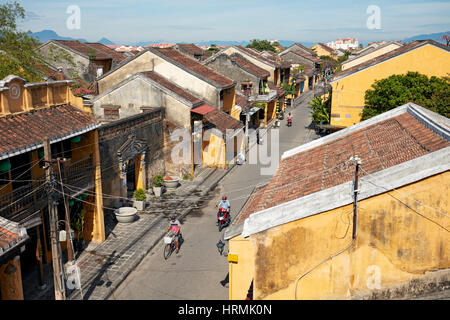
[{"x": 406, "y": 196}]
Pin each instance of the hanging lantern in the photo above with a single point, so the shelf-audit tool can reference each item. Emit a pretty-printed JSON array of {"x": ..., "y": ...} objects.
[
  {"x": 71, "y": 202},
  {"x": 84, "y": 195},
  {"x": 5, "y": 166},
  {"x": 40, "y": 153},
  {"x": 76, "y": 139}
]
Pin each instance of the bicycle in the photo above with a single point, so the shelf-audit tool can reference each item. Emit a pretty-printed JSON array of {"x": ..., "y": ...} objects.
[{"x": 170, "y": 245}]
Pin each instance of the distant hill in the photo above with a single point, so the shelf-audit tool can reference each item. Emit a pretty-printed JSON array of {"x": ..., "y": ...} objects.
[
  {"x": 46, "y": 35},
  {"x": 106, "y": 41},
  {"x": 433, "y": 36}
]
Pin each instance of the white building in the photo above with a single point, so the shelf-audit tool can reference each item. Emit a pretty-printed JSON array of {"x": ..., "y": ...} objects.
[{"x": 344, "y": 44}]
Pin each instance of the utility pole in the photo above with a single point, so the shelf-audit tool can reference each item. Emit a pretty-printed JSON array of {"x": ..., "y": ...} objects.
[
  {"x": 70, "y": 250},
  {"x": 357, "y": 162},
  {"x": 52, "y": 209}
]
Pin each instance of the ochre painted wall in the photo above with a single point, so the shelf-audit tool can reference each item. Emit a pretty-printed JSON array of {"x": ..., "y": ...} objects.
[
  {"x": 394, "y": 245},
  {"x": 241, "y": 272},
  {"x": 214, "y": 153},
  {"x": 322, "y": 52},
  {"x": 350, "y": 91}
]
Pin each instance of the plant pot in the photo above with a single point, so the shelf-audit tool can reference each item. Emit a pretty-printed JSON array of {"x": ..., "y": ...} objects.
[
  {"x": 126, "y": 214},
  {"x": 139, "y": 204},
  {"x": 157, "y": 191},
  {"x": 173, "y": 183}
]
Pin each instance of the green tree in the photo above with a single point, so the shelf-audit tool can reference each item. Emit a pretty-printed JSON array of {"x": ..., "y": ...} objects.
[
  {"x": 289, "y": 89},
  {"x": 17, "y": 54},
  {"x": 431, "y": 93},
  {"x": 320, "y": 109},
  {"x": 262, "y": 45}
]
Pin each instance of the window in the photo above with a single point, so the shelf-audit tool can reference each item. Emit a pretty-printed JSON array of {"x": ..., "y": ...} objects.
[{"x": 111, "y": 112}]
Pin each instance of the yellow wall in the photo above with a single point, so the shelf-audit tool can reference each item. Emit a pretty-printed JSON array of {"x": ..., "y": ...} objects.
[
  {"x": 322, "y": 52},
  {"x": 349, "y": 92},
  {"x": 38, "y": 96},
  {"x": 394, "y": 245},
  {"x": 228, "y": 100},
  {"x": 214, "y": 153},
  {"x": 241, "y": 272}
]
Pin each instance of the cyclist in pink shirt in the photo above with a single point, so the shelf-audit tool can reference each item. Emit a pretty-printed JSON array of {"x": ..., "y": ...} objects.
[{"x": 174, "y": 229}]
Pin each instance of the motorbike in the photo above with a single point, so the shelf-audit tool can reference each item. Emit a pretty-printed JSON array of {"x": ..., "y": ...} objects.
[
  {"x": 289, "y": 122},
  {"x": 223, "y": 218},
  {"x": 281, "y": 115}
]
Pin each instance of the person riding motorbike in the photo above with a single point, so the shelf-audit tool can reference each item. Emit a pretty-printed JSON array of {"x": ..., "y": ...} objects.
[
  {"x": 174, "y": 230},
  {"x": 224, "y": 204},
  {"x": 289, "y": 119}
]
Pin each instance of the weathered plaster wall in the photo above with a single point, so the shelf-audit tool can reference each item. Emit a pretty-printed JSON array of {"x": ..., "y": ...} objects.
[
  {"x": 147, "y": 127},
  {"x": 298, "y": 59},
  {"x": 148, "y": 61},
  {"x": 139, "y": 92},
  {"x": 82, "y": 63},
  {"x": 226, "y": 67},
  {"x": 231, "y": 50},
  {"x": 394, "y": 246},
  {"x": 144, "y": 62}
]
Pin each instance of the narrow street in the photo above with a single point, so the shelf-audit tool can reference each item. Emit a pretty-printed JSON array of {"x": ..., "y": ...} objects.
[{"x": 196, "y": 271}]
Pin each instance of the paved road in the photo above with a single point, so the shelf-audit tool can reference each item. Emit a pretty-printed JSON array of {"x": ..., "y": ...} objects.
[{"x": 196, "y": 271}]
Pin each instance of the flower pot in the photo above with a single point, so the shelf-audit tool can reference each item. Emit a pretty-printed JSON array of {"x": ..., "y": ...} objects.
[
  {"x": 126, "y": 214},
  {"x": 157, "y": 191},
  {"x": 140, "y": 205},
  {"x": 170, "y": 183}
]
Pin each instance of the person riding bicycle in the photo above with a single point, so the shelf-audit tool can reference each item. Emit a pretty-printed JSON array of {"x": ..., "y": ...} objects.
[{"x": 174, "y": 230}]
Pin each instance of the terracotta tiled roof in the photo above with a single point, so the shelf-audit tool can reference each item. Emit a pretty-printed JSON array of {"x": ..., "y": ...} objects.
[
  {"x": 241, "y": 100},
  {"x": 307, "y": 56},
  {"x": 305, "y": 48},
  {"x": 10, "y": 236},
  {"x": 172, "y": 87},
  {"x": 386, "y": 56},
  {"x": 222, "y": 121},
  {"x": 251, "y": 205},
  {"x": 259, "y": 56},
  {"x": 83, "y": 48},
  {"x": 28, "y": 129},
  {"x": 115, "y": 55},
  {"x": 380, "y": 146},
  {"x": 196, "y": 67},
  {"x": 191, "y": 48},
  {"x": 252, "y": 68}
]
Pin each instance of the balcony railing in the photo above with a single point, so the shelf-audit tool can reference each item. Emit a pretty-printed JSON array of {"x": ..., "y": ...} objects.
[
  {"x": 31, "y": 197},
  {"x": 266, "y": 97}
]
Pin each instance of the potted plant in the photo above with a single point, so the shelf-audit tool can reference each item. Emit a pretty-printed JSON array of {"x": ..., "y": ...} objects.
[
  {"x": 157, "y": 184},
  {"x": 170, "y": 182},
  {"x": 139, "y": 199},
  {"x": 78, "y": 226}
]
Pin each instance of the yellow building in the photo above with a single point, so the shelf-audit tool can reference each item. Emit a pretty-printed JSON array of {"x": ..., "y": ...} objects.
[
  {"x": 30, "y": 113},
  {"x": 323, "y": 50},
  {"x": 349, "y": 86},
  {"x": 300, "y": 237}
]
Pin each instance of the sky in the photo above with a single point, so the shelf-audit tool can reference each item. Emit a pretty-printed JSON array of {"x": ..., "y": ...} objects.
[{"x": 130, "y": 21}]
